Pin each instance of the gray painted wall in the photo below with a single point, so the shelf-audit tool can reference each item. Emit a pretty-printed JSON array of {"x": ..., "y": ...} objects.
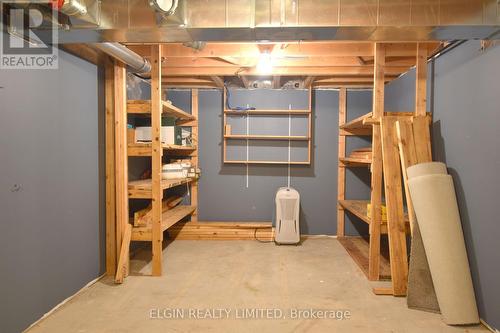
[
  {"x": 51, "y": 231},
  {"x": 465, "y": 99},
  {"x": 223, "y": 195}
]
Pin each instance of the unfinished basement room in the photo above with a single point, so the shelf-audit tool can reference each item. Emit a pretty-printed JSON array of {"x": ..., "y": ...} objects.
[{"x": 250, "y": 166}]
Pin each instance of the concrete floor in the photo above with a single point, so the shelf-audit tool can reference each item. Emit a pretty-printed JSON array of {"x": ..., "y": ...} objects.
[{"x": 238, "y": 275}]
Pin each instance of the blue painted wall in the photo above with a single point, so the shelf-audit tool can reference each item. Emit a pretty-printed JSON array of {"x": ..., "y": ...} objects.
[{"x": 464, "y": 96}]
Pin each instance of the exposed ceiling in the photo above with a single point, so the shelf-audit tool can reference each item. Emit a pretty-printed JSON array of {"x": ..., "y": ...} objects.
[{"x": 317, "y": 64}]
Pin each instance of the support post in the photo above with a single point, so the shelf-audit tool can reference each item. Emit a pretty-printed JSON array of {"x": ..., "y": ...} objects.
[
  {"x": 194, "y": 155},
  {"x": 121, "y": 165},
  {"x": 376, "y": 167},
  {"x": 341, "y": 168},
  {"x": 421, "y": 80},
  {"x": 111, "y": 248},
  {"x": 156, "y": 159}
]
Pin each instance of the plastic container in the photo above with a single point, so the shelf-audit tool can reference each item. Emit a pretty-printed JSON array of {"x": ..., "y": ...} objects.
[{"x": 173, "y": 171}]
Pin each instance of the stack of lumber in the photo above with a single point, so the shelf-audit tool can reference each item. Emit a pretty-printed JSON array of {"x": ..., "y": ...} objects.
[{"x": 221, "y": 231}]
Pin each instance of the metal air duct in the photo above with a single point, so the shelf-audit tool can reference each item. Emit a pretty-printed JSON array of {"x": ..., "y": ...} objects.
[{"x": 135, "y": 62}]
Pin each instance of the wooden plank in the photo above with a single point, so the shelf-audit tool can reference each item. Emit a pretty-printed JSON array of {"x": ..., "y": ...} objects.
[
  {"x": 394, "y": 201},
  {"x": 340, "y": 169},
  {"x": 358, "y": 249},
  {"x": 222, "y": 231},
  {"x": 144, "y": 216},
  {"x": 408, "y": 157},
  {"x": 376, "y": 167},
  {"x": 421, "y": 80},
  {"x": 354, "y": 162},
  {"x": 145, "y": 149},
  {"x": 167, "y": 108},
  {"x": 121, "y": 272},
  {"x": 422, "y": 139},
  {"x": 121, "y": 165},
  {"x": 111, "y": 247},
  {"x": 142, "y": 189},
  {"x": 156, "y": 162},
  {"x": 194, "y": 159}
]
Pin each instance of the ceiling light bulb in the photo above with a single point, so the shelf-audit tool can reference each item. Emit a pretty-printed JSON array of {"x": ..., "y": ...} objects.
[{"x": 265, "y": 64}]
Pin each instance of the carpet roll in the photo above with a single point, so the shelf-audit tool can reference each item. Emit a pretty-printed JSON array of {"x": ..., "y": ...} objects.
[
  {"x": 430, "y": 168},
  {"x": 436, "y": 209}
]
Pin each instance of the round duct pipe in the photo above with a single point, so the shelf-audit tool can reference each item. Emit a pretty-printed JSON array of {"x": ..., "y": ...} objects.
[{"x": 135, "y": 62}]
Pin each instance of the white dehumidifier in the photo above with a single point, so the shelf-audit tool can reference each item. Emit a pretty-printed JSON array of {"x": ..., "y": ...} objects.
[{"x": 287, "y": 216}]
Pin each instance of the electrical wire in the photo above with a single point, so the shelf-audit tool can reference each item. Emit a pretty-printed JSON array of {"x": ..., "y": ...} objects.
[
  {"x": 260, "y": 240},
  {"x": 237, "y": 108}
]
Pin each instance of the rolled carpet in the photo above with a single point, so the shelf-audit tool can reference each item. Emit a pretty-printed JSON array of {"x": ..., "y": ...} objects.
[{"x": 436, "y": 209}]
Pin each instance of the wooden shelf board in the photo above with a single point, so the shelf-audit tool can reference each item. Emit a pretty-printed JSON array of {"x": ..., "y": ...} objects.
[
  {"x": 267, "y": 112},
  {"x": 145, "y": 149},
  {"x": 144, "y": 107},
  {"x": 359, "y": 209},
  {"x": 141, "y": 189},
  {"x": 355, "y": 162},
  {"x": 267, "y": 137},
  {"x": 358, "y": 248},
  {"x": 268, "y": 162},
  {"x": 168, "y": 219}
]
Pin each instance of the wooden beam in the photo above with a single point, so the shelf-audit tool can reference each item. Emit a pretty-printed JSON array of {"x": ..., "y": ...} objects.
[
  {"x": 352, "y": 79},
  {"x": 218, "y": 81},
  {"x": 341, "y": 168},
  {"x": 156, "y": 161},
  {"x": 309, "y": 81},
  {"x": 298, "y": 49},
  {"x": 421, "y": 81},
  {"x": 121, "y": 164},
  {"x": 376, "y": 167},
  {"x": 310, "y": 61},
  {"x": 245, "y": 81},
  {"x": 276, "y": 82},
  {"x": 394, "y": 201},
  {"x": 111, "y": 247},
  {"x": 282, "y": 71}
]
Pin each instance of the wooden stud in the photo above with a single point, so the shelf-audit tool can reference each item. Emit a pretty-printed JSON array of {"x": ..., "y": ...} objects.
[
  {"x": 194, "y": 158},
  {"x": 341, "y": 168},
  {"x": 121, "y": 165},
  {"x": 156, "y": 163},
  {"x": 376, "y": 167},
  {"x": 122, "y": 270},
  {"x": 394, "y": 202},
  {"x": 309, "y": 130},
  {"x": 421, "y": 80},
  {"x": 111, "y": 250}
]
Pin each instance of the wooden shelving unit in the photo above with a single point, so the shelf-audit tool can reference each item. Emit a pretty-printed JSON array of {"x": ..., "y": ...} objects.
[
  {"x": 152, "y": 189},
  {"x": 248, "y": 136},
  {"x": 385, "y": 168}
]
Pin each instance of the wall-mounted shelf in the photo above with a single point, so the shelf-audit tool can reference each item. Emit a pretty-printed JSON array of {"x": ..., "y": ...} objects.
[
  {"x": 267, "y": 112},
  {"x": 289, "y": 113},
  {"x": 267, "y": 137},
  {"x": 268, "y": 162}
]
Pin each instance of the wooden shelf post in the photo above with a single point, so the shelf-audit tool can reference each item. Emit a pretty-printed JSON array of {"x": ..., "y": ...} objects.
[
  {"x": 194, "y": 154},
  {"x": 421, "y": 81},
  {"x": 376, "y": 168},
  {"x": 121, "y": 165},
  {"x": 341, "y": 168},
  {"x": 156, "y": 160},
  {"x": 111, "y": 248}
]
